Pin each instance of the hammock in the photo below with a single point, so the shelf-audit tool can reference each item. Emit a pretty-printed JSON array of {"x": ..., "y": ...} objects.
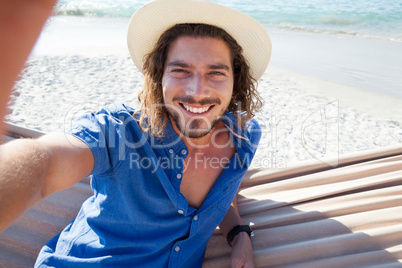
[
  {"x": 307, "y": 215},
  {"x": 314, "y": 215}
]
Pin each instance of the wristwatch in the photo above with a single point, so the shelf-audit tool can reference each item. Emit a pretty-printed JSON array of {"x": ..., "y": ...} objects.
[{"x": 236, "y": 230}]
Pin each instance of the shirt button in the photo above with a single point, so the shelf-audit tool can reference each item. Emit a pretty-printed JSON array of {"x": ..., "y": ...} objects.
[
  {"x": 195, "y": 217},
  {"x": 178, "y": 176},
  {"x": 183, "y": 152},
  {"x": 171, "y": 151},
  {"x": 177, "y": 248},
  {"x": 180, "y": 211}
]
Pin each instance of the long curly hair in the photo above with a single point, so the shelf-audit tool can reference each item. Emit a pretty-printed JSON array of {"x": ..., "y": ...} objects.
[{"x": 245, "y": 101}]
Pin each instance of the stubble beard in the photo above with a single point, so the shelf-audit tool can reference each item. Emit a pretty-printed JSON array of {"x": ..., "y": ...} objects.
[{"x": 191, "y": 129}]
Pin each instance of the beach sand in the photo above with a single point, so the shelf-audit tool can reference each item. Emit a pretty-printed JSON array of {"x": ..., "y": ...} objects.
[{"x": 314, "y": 108}]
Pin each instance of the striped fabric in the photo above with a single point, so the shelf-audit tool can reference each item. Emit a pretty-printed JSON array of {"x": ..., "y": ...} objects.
[{"x": 314, "y": 215}]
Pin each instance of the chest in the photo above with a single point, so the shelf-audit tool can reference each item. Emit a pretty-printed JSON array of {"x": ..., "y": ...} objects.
[{"x": 200, "y": 172}]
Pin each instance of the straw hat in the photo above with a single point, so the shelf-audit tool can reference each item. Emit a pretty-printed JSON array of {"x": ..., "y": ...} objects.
[{"x": 151, "y": 20}]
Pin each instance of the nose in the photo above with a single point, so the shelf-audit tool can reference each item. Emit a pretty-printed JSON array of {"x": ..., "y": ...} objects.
[{"x": 198, "y": 86}]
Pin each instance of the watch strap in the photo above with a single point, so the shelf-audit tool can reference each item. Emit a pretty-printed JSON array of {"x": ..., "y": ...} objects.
[{"x": 236, "y": 230}]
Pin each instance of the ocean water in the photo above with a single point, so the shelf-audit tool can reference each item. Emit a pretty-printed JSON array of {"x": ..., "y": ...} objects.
[{"x": 368, "y": 18}]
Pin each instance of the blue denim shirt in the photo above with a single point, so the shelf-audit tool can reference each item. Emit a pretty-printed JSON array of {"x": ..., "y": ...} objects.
[{"x": 137, "y": 216}]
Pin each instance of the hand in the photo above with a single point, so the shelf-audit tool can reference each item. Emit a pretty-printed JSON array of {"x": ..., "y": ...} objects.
[{"x": 242, "y": 251}]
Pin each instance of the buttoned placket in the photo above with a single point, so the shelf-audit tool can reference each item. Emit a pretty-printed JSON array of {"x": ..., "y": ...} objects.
[
  {"x": 183, "y": 156},
  {"x": 179, "y": 247},
  {"x": 177, "y": 159},
  {"x": 171, "y": 152}
]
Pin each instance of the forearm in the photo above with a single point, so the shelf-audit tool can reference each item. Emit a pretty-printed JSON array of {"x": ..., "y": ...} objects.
[
  {"x": 231, "y": 219},
  {"x": 23, "y": 168},
  {"x": 242, "y": 250}
]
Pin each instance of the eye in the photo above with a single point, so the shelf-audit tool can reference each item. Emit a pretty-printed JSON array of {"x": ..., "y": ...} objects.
[
  {"x": 217, "y": 73},
  {"x": 179, "y": 72}
]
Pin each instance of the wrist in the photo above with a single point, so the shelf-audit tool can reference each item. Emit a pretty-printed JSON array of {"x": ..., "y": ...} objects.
[
  {"x": 240, "y": 238},
  {"x": 236, "y": 230}
]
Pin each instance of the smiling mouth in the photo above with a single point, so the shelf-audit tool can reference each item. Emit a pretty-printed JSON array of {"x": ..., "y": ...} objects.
[{"x": 196, "y": 110}]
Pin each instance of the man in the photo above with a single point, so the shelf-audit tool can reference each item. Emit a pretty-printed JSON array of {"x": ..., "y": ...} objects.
[{"x": 164, "y": 176}]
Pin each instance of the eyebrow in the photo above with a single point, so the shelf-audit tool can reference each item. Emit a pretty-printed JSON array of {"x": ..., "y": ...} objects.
[
  {"x": 219, "y": 67},
  {"x": 183, "y": 64},
  {"x": 178, "y": 63}
]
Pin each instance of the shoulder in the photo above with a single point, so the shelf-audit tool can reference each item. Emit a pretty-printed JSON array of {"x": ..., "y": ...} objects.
[
  {"x": 117, "y": 110},
  {"x": 116, "y": 115},
  {"x": 251, "y": 130},
  {"x": 106, "y": 125},
  {"x": 254, "y": 131}
]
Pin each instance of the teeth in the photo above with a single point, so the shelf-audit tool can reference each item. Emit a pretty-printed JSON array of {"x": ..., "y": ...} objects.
[{"x": 196, "y": 110}]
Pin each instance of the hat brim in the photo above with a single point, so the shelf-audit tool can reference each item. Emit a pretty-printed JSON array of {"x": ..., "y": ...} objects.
[{"x": 151, "y": 20}]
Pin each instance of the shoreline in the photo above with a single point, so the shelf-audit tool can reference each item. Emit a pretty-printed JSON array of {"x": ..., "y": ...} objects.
[
  {"x": 379, "y": 106},
  {"x": 372, "y": 65}
]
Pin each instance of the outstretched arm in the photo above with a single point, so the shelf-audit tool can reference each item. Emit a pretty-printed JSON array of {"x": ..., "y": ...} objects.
[
  {"x": 31, "y": 170},
  {"x": 242, "y": 251},
  {"x": 20, "y": 24}
]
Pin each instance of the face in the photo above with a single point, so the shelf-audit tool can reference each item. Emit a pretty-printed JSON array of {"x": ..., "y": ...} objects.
[{"x": 197, "y": 84}]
